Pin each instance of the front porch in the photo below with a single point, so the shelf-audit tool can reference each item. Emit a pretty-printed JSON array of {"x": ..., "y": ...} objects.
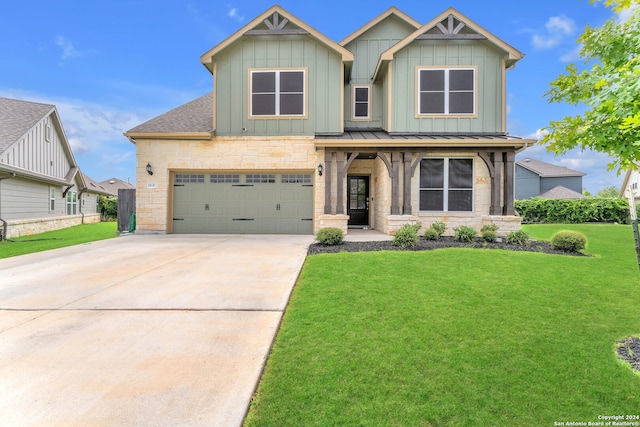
[{"x": 390, "y": 177}]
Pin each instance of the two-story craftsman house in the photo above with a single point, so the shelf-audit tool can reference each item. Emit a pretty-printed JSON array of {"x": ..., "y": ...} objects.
[{"x": 399, "y": 122}]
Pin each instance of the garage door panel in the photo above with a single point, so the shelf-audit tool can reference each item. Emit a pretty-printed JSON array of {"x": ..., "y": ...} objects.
[{"x": 243, "y": 203}]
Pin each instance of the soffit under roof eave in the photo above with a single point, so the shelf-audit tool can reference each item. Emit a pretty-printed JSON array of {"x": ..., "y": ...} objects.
[
  {"x": 424, "y": 143},
  {"x": 23, "y": 173},
  {"x": 134, "y": 136},
  {"x": 207, "y": 58}
]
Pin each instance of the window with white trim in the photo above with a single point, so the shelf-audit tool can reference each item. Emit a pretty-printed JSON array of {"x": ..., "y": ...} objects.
[
  {"x": 277, "y": 93},
  {"x": 52, "y": 199},
  {"x": 634, "y": 182},
  {"x": 446, "y": 184},
  {"x": 361, "y": 102},
  {"x": 446, "y": 91},
  {"x": 72, "y": 203}
]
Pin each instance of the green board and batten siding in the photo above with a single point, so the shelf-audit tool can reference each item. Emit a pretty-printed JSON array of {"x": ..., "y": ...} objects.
[
  {"x": 489, "y": 91},
  {"x": 324, "y": 85},
  {"x": 367, "y": 49}
]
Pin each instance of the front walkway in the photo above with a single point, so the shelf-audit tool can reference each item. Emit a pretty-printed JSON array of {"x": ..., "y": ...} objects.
[{"x": 360, "y": 235}]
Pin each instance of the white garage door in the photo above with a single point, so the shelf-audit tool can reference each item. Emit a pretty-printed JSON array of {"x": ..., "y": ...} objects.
[{"x": 250, "y": 203}]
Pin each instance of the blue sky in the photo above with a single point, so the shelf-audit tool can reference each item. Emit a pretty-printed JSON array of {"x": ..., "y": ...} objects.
[{"x": 109, "y": 66}]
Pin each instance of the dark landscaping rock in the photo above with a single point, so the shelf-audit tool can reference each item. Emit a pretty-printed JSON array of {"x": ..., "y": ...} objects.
[
  {"x": 629, "y": 351},
  {"x": 443, "y": 242}
]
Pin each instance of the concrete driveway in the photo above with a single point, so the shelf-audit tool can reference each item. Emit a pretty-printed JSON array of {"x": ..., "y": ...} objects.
[{"x": 142, "y": 330}]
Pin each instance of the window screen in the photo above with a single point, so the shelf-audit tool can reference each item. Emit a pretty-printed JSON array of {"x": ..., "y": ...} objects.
[
  {"x": 446, "y": 185},
  {"x": 446, "y": 91},
  {"x": 277, "y": 93}
]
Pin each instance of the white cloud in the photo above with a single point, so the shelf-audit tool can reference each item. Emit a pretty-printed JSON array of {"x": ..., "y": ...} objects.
[
  {"x": 544, "y": 42},
  {"x": 78, "y": 147},
  {"x": 68, "y": 50},
  {"x": 561, "y": 24},
  {"x": 538, "y": 134},
  {"x": 233, "y": 13},
  {"x": 577, "y": 163},
  {"x": 557, "y": 28}
]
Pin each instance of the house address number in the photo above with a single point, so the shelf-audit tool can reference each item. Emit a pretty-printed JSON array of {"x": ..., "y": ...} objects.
[{"x": 152, "y": 185}]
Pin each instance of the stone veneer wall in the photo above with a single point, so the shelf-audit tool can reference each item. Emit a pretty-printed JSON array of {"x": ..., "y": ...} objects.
[
  {"x": 295, "y": 154},
  {"x": 27, "y": 227},
  {"x": 232, "y": 154}
]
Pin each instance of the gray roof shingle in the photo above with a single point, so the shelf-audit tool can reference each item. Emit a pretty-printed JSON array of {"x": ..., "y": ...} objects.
[
  {"x": 547, "y": 170},
  {"x": 561, "y": 192},
  {"x": 194, "y": 116},
  {"x": 17, "y": 117}
]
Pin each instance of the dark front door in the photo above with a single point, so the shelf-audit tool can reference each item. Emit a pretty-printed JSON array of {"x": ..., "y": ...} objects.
[{"x": 358, "y": 200}]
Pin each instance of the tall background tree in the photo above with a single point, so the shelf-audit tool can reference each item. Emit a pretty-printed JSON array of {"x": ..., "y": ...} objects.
[{"x": 608, "y": 86}]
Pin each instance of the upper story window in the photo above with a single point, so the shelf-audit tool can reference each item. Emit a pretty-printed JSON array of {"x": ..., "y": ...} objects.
[
  {"x": 449, "y": 91},
  {"x": 446, "y": 184},
  {"x": 278, "y": 93},
  {"x": 361, "y": 102}
]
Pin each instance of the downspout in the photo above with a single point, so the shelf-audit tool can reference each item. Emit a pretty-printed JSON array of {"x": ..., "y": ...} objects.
[
  {"x": 80, "y": 203},
  {"x": 3, "y": 235}
]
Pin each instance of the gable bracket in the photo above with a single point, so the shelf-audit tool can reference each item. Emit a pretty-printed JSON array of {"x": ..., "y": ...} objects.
[
  {"x": 276, "y": 27},
  {"x": 64, "y": 193},
  {"x": 450, "y": 32}
]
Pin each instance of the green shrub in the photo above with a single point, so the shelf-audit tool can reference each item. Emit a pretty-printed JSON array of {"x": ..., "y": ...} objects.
[
  {"x": 489, "y": 236},
  {"x": 489, "y": 227},
  {"x": 431, "y": 234},
  {"x": 440, "y": 227},
  {"x": 406, "y": 236},
  {"x": 108, "y": 208},
  {"x": 465, "y": 233},
  {"x": 519, "y": 237},
  {"x": 330, "y": 236},
  {"x": 569, "y": 241},
  {"x": 573, "y": 211}
]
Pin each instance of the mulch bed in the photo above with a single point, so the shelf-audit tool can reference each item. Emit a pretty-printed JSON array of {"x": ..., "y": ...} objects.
[
  {"x": 629, "y": 351},
  {"x": 444, "y": 242}
]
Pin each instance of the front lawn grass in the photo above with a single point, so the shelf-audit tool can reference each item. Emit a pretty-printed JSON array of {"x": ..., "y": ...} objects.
[
  {"x": 456, "y": 337},
  {"x": 58, "y": 239}
]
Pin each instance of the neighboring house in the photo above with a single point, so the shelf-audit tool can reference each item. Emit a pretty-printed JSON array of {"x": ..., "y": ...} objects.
[
  {"x": 41, "y": 188},
  {"x": 398, "y": 123},
  {"x": 630, "y": 185},
  {"x": 112, "y": 186},
  {"x": 90, "y": 198},
  {"x": 535, "y": 178}
]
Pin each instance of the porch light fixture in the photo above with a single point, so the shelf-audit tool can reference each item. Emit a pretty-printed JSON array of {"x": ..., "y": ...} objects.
[
  {"x": 320, "y": 168},
  {"x": 149, "y": 170}
]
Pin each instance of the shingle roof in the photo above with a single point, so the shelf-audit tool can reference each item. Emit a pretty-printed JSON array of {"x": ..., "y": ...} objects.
[
  {"x": 194, "y": 116},
  {"x": 561, "y": 192},
  {"x": 94, "y": 186},
  {"x": 547, "y": 170},
  {"x": 17, "y": 117},
  {"x": 112, "y": 185}
]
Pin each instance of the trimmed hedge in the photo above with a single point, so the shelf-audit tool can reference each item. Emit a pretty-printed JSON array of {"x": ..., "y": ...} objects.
[
  {"x": 573, "y": 211},
  {"x": 569, "y": 241},
  {"x": 330, "y": 236}
]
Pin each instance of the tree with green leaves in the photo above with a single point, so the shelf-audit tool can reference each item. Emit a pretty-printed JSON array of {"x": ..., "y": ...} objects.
[
  {"x": 609, "y": 89},
  {"x": 609, "y": 193}
]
